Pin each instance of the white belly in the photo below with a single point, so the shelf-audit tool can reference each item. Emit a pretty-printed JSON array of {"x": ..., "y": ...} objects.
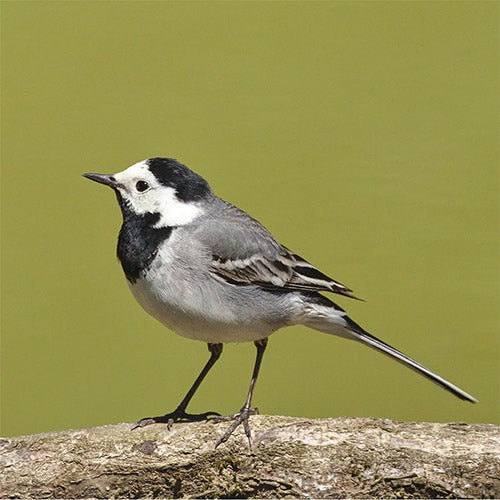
[
  {"x": 194, "y": 313},
  {"x": 182, "y": 294}
]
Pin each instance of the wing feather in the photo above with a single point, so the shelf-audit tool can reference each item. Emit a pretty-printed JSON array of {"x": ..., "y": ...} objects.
[
  {"x": 244, "y": 252},
  {"x": 285, "y": 271}
]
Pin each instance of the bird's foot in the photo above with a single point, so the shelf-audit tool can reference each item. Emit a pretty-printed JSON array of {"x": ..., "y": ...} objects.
[
  {"x": 239, "y": 418},
  {"x": 178, "y": 415}
]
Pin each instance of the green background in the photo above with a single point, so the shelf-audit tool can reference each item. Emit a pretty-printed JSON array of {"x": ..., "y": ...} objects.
[{"x": 364, "y": 135}]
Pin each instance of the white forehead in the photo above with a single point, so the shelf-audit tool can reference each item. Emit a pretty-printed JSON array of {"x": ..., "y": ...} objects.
[{"x": 135, "y": 172}]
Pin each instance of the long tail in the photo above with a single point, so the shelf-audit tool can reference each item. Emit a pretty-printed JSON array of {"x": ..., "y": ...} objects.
[{"x": 366, "y": 338}]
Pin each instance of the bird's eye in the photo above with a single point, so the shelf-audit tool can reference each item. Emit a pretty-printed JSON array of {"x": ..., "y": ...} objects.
[{"x": 141, "y": 186}]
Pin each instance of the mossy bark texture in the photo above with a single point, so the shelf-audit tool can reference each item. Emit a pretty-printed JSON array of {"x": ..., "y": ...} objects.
[{"x": 291, "y": 457}]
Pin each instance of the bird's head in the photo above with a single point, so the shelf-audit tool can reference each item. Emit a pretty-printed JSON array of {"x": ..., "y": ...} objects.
[{"x": 160, "y": 186}]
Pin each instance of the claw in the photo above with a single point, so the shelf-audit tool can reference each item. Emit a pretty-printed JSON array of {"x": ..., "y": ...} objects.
[
  {"x": 142, "y": 423},
  {"x": 175, "y": 416},
  {"x": 239, "y": 418}
]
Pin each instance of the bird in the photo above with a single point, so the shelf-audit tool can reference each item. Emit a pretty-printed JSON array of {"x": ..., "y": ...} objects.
[{"x": 210, "y": 272}]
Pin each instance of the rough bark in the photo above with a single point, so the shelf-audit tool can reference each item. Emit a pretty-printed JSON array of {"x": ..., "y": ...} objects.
[{"x": 291, "y": 457}]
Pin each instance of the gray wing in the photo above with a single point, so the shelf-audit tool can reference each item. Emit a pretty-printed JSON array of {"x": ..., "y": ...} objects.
[{"x": 244, "y": 252}]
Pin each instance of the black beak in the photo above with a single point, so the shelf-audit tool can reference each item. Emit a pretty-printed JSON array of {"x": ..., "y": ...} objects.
[{"x": 106, "y": 179}]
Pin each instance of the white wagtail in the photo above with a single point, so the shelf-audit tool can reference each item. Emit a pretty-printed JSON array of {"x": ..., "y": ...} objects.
[{"x": 210, "y": 272}]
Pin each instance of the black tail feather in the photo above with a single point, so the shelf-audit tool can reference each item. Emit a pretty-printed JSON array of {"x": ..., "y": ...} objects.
[{"x": 366, "y": 338}]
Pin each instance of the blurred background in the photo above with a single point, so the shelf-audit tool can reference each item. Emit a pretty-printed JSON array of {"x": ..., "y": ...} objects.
[{"x": 363, "y": 135}]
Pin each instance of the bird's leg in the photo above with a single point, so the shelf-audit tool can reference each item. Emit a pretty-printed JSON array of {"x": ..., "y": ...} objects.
[
  {"x": 243, "y": 415},
  {"x": 179, "y": 414}
]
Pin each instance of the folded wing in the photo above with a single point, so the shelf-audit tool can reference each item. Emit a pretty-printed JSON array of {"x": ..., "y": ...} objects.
[
  {"x": 286, "y": 270},
  {"x": 243, "y": 252}
]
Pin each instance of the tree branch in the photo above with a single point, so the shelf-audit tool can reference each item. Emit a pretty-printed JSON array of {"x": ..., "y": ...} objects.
[{"x": 292, "y": 457}]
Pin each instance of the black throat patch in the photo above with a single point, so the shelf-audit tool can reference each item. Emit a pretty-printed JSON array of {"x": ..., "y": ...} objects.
[{"x": 138, "y": 241}]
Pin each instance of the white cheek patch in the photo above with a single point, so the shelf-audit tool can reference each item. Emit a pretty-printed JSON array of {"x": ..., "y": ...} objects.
[
  {"x": 158, "y": 199},
  {"x": 174, "y": 212}
]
